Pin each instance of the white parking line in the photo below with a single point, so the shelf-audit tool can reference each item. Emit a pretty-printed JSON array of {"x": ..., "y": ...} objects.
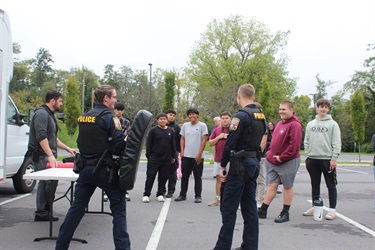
[
  {"x": 14, "y": 199},
  {"x": 158, "y": 229},
  {"x": 354, "y": 223},
  {"x": 350, "y": 170}
]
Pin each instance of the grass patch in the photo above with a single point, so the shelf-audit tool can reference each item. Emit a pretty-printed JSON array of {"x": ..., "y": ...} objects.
[{"x": 62, "y": 134}]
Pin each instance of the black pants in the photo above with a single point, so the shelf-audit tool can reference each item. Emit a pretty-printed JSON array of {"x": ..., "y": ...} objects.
[
  {"x": 172, "y": 179},
  {"x": 315, "y": 168},
  {"x": 153, "y": 168},
  {"x": 189, "y": 165}
]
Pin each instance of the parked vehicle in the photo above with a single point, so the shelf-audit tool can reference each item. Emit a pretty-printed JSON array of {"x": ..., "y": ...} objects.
[{"x": 14, "y": 133}]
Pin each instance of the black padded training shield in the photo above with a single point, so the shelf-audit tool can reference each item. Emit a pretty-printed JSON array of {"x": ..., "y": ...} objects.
[{"x": 133, "y": 150}]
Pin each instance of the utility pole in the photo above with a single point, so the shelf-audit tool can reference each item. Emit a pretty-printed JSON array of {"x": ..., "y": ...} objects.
[
  {"x": 150, "y": 64},
  {"x": 83, "y": 94}
]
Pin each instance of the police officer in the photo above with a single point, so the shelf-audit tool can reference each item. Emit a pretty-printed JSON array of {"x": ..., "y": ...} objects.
[
  {"x": 242, "y": 148},
  {"x": 100, "y": 139}
]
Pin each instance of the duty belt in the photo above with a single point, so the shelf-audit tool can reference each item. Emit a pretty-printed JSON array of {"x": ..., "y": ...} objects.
[
  {"x": 251, "y": 154},
  {"x": 91, "y": 162}
]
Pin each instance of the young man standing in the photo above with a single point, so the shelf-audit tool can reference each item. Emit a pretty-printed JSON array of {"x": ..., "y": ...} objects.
[
  {"x": 43, "y": 144},
  {"x": 217, "y": 140},
  {"x": 322, "y": 148},
  {"x": 160, "y": 153},
  {"x": 172, "y": 179},
  {"x": 194, "y": 136},
  {"x": 283, "y": 160},
  {"x": 125, "y": 123}
]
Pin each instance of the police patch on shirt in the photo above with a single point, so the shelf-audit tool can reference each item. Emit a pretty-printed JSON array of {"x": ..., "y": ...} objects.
[
  {"x": 259, "y": 116},
  {"x": 234, "y": 123},
  {"x": 117, "y": 123}
]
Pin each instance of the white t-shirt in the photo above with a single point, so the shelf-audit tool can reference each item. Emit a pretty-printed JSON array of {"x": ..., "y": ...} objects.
[{"x": 193, "y": 138}]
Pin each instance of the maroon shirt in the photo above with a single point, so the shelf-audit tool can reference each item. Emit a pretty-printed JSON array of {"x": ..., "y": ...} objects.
[
  {"x": 286, "y": 141},
  {"x": 219, "y": 146}
]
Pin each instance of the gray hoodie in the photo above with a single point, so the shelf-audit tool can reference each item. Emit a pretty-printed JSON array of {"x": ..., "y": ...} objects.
[{"x": 323, "y": 139}]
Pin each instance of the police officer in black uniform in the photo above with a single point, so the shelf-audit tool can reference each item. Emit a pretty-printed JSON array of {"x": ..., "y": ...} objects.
[
  {"x": 242, "y": 149},
  {"x": 100, "y": 140}
]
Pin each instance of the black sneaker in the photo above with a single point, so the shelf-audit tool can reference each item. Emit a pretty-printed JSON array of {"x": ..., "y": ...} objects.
[
  {"x": 45, "y": 218},
  {"x": 180, "y": 198},
  {"x": 169, "y": 196},
  {"x": 262, "y": 214},
  {"x": 283, "y": 217},
  {"x": 198, "y": 199}
]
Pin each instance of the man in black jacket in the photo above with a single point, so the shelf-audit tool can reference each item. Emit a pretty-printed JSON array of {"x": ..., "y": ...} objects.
[
  {"x": 43, "y": 144},
  {"x": 172, "y": 179}
]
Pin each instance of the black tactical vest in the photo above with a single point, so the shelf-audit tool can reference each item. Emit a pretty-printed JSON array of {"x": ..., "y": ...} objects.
[
  {"x": 92, "y": 140},
  {"x": 252, "y": 137}
]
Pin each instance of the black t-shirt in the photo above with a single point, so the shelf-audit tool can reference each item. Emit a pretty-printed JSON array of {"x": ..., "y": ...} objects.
[{"x": 160, "y": 145}]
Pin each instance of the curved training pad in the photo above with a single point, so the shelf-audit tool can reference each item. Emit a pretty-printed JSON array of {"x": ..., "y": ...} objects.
[{"x": 133, "y": 150}]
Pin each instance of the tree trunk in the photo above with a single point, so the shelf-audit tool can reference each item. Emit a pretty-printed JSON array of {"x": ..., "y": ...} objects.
[{"x": 359, "y": 152}]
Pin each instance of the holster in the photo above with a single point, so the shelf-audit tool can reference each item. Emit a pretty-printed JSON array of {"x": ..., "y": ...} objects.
[
  {"x": 35, "y": 154},
  {"x": 236, "y": 166},
  {"x": 114, "y": 166},
  {"x": 79, "y": 163}
]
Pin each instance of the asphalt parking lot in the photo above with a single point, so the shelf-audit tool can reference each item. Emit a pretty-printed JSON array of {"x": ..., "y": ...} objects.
[{"x": 186, "y": 225}]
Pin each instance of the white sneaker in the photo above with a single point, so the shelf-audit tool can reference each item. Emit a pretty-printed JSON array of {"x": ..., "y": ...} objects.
[
  {"x": 145, "y": 199},
  {"x": 309, "y": 212},
  {"x": 160, "y": 198},
  {"x": 330, "y": 215}
]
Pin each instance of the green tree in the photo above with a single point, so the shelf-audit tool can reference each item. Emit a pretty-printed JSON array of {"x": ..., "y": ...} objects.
[
  {"x": 26, "y": 99},
  {"x": 232, "y": 52},
  {"x": 170, "y": 85},
  {"x": 21, "y": 71},
  {"x": 88, "y": 81},
  {"x": 72, "y": 107},
  {"x": 358, "y": 118},
  {"x": 321, "y": 92},
  {"x": 41, "y": 68},
  {"x": 340, "y": 111},
  {"x": 365, "y": 81},
  {"x": 321, "y": 88},
  {"x": 21, "y": 76},
  {"x": 265, "y": 99},
  {"x": 111, "y": 77},
  {"x": 302, "y": 108}
]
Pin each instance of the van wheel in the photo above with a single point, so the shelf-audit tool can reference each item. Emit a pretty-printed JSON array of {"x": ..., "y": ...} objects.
[{"x": 21, "y": 185}]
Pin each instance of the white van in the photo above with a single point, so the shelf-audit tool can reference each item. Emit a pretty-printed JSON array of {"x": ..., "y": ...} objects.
[{"x": 14, "y": 133}]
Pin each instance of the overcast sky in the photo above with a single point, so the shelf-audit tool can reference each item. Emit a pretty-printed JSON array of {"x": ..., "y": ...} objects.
[{"x": 328, "y": 37}]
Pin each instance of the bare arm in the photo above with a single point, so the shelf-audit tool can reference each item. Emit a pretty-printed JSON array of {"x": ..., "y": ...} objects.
[
  {"x": 182, "y": 144},
  {"x": 263, "y": 143},
  {"x": 51, "y": 158},
  {"x": 61, "y": 145},
  {"x": 198, "y": 158},
  {"x": 213, "y": 142}
]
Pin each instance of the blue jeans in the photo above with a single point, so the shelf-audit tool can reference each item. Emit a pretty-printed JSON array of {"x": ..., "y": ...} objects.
[
  {"x": 85, "y": 187},
  {"x": 240, "y": 188}
]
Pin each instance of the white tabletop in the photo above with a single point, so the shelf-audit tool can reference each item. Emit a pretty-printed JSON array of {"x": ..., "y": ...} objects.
[{"x": 64, "y": 174}]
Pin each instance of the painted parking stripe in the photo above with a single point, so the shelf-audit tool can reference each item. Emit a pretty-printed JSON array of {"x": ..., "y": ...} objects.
[
  {"x": 350, "y": 170},
  {"x": 354, "y": 223},
  {"x": 158, "y": 229},
  {"x": 14, "y": 199}
]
